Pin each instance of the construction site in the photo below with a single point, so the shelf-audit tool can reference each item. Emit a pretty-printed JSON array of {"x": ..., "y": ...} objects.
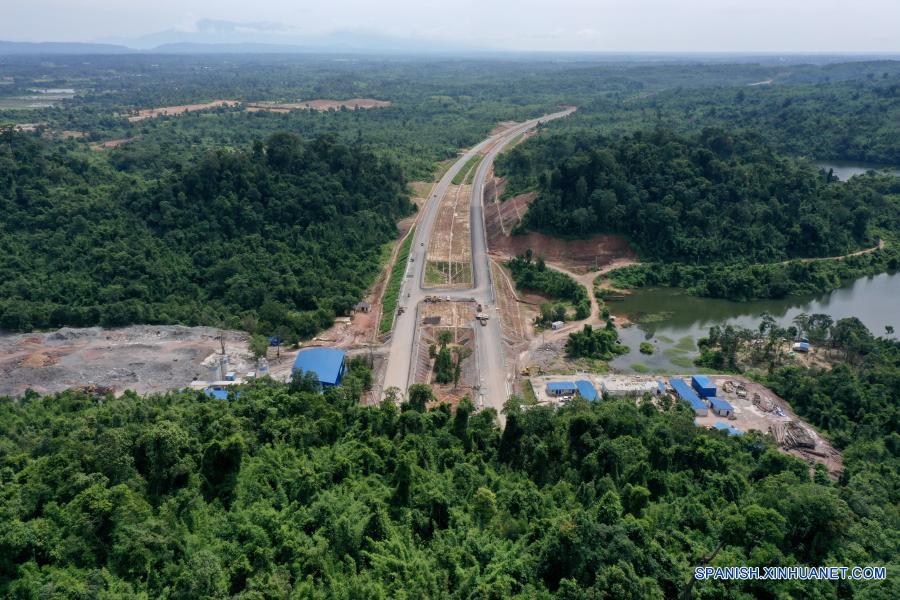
[
  {"x": 449, "y": 255},
  {"x": 455, "y": 322},
  {"x": 748, "y": 406},
  {"x": 756, "y": 407},
  {"x": 142, "y": 358}
]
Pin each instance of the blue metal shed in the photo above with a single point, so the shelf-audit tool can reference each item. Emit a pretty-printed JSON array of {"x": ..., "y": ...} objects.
[
  {"x": 660, "y": 387},
  {"x": 703, "y": 385},
  {"x": 561, "y": 388},
  {"x": 685, "y": 392},
  {"x": 217, "y": 393},
  {"x": 326, "y": 363},
  {"x": 721, "y": 407},
  {"x": 586, "y": 389},
  {"x": 729, "y": 428}
]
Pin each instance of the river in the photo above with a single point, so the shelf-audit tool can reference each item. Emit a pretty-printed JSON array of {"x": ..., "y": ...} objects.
[
  {"x": 845, "y": 169},
  {"x": 673, "y": 321}
]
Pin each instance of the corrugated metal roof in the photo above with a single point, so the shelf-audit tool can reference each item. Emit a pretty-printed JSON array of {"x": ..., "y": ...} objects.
[
  {"x": 326, "y": 363},
  {"x": 686, "y": 393},
  {"x": 719, "y": 404},
  {"x": 586, "y": 389},
  {"x": 561, "y": 386},
  {"x": 217, "y": 394},
  {"x": 701, "y": 380},
  {"x": 726, "y": 427}
]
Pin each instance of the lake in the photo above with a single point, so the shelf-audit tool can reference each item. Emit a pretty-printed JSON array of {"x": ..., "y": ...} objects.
[
  {"x": 845, "y": 169},
  {"x": 673, "y": 321}
]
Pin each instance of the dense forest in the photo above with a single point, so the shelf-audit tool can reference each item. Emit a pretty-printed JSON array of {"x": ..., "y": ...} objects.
[
  {"x": 281, "y": 491},
  {"x": 713, "y": 197},
  {"x": 820, "y": 115},
  {"x": 279, "y": 237},
  {"x": 717, "y": 213}
]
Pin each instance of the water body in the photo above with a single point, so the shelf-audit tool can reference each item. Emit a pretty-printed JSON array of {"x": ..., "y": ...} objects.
[
  {"x": 845, "y": 169},
  {"x": 673, "y": 321}
]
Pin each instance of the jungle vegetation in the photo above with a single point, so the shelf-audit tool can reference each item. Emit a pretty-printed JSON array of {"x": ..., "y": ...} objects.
[
  {"x": 284, "y": 492},
  {"x": 278, "y": 238},
  {"x": 531, "y": 274},
  {"x": 720, "y": 214}
]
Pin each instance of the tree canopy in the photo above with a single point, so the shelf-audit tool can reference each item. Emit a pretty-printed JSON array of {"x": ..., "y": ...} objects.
[
  {"x": 711, "y": 197},
  {"x": 281, "y": 491},
  {"x": 278, "y": 237}
]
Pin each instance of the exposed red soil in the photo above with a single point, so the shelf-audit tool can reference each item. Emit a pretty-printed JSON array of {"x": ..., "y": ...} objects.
[
  {"x": 578, "y": 256},
  {"x": 149, "y": 113}
]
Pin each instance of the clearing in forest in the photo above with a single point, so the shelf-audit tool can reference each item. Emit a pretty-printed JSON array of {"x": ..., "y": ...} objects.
[
  {"x": 164, "y": 111},
  {"x": 319, "y": 105}
]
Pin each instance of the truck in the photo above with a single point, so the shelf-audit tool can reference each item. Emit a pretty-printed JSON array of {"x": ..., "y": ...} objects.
[{"x": 482, "y": 318}]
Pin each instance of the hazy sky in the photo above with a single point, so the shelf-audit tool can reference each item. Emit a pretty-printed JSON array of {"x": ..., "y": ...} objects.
[{"x": 600, "y": 25}]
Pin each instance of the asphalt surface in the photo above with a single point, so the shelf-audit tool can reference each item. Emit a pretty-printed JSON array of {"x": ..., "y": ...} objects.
[{"x": 494, "y": 385}]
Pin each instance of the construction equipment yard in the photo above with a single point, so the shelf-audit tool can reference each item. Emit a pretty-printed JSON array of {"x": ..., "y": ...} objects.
[{"x": 756, "y": 408}]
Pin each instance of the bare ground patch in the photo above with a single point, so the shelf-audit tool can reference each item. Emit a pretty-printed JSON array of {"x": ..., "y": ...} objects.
[
  {"x": 143, "y": 358},
  {"x": 762, "y": 410},
  {"x": 149, "y": 113},
  {"x": 319, "y": 105},
  {"x": 108, "y": 144}
]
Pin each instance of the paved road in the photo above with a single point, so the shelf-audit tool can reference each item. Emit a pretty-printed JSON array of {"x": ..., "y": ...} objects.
[{"x": 400, "y": 373}]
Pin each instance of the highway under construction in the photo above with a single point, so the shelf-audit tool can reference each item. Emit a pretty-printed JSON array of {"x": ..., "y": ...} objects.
[{"x": 492, "y": 384}]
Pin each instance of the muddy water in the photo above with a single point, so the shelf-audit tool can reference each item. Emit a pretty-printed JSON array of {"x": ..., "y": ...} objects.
[
  {"x": 844, "y": 170},
  {"x": 673, "y": 321}
]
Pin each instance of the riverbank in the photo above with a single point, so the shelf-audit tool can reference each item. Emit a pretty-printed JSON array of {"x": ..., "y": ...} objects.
[{"x": 673, "y": 320}]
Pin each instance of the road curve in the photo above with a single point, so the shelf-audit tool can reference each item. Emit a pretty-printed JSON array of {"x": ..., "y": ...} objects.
[{"x": 494, "y": 384}]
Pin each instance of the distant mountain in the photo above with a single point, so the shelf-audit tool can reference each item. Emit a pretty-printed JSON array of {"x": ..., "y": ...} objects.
[
  {"x": 10, "y": 48},
  {"x": 215, "y": 36}
]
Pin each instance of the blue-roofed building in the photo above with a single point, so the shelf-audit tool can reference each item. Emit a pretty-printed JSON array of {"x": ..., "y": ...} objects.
[
  {"x": 586, "y": 390},
  {"x": 721, "y": 407},
  {"x": 688, "y": 395},
  {"x": 561, "y": 388},
  {"x": 326, "y": 363},
  {"x": 217, "y": 393},
  {"x": 660, "y": 387},
  {"x": 802, "y": 347},
  {"x": 729, "y": 428},
  {"x": 704, "y": 387}
]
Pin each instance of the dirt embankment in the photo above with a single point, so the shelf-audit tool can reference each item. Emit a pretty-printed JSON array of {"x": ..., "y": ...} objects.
[{"x": 578, "y": 256}]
